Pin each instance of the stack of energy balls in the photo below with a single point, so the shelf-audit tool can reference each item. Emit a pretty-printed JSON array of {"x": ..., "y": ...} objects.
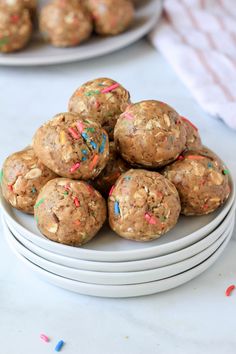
[
  {"x": 63, "y": 23},
  {"x": 143, "y": 161}
]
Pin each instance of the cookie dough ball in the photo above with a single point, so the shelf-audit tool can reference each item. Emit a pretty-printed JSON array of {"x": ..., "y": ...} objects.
[
  {"x": 30, "y": 5},
  {"x": 65, "y": 23},
  {"x": 201, "y": 179},
  {"x": 193, "y": 139},
  {"x": 150, "y": 133},
  {"x": 72, "y": 147},
  {"x": 15, "y": 29},
  {"x": 69, "y": 212},
  {"x": 23, "y": 176},
  {"x": 109, "y": 175},
  {"x": 111, "y": 17},
  {"x": 103, "y": 100},
  {"x": 143, "y": 205}
]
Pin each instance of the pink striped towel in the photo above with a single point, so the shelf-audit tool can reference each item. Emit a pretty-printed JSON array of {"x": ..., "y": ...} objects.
[{"x": 198, "y": 38}]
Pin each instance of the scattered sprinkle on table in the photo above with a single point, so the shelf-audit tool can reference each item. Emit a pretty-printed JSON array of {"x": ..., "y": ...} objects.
[
  {"x": 229, "y": 290},
  {"x": 44, "y": 337},
  {"x": 59, "y": 346}
]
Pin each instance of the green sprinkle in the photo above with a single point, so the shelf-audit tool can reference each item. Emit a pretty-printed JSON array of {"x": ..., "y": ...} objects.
[
  {"x": 1, "y": 176},
  {"x": 66, "y": 193},
  {"x": 4, "y": 41},
  {"x": 39, "y": 203},
  {"x": 101, "y": 85},
  {"x": 92, "y": 130},
  {"x": 225, "y": 172},
  {"x": 91, "y": 93},
  {"x": 163, "y": 218}
]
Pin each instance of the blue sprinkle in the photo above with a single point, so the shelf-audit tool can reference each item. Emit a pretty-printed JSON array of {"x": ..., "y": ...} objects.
[
  {"x": 209, "y": 165},
  {"x": 34, "y": 190},
  {"x": 59, "y": 346},
  {"x": 85, "y": 152},
  {"x": 94, "y": 145},
  {"x": 102, "y": 147},
  {"x": 84, "y": 158},
  {"x": 127, "y": 178},
  {"x": 117, "y": 208},
  {"x": 85, "y": 136}
]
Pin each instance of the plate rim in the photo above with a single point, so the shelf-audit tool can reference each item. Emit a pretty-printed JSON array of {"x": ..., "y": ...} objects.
[
  {"x": 97, "y": 264},
  {"x": 117, "y": 278},
  {"x": 137, "y": 289},
  {"x": 96, "y": 254}
]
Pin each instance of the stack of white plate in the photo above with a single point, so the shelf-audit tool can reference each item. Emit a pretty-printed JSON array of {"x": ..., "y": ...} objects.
[{"x": 110, "y": 266}]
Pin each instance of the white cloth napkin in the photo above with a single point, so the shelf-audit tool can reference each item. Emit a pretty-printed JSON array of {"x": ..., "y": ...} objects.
[{"x": 198, "y": 38}]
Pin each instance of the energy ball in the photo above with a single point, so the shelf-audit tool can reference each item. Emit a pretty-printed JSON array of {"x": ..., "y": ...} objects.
[
  {"x": 150, "y": 133},
  {"x": 69, "y": 212},
  {"x": 102, "y": 100},
  {"x": 193, "y": 139},
  {"x": 201, "y": 179},
  {"x": 143, "y": 205},
  {"x": 72, "y": 147},
  {"x": 114, "y": 168},
  {"x": 30, "y": 5},
  {"x": 15, "y": 28},
  {"x": 65, "y": 23},
  {"x": 23, "y": 176},
  {"x": 111, "y": 17}
]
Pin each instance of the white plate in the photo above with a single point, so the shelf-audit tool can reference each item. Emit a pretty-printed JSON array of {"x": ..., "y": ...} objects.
[
  {"x": 125, "y": 278},
  {"x": 107, "y": 246},
  {"x": 119, "y": 291},
  {"x": 145, "y": 264},
  {"x": 40, "y": 53}
]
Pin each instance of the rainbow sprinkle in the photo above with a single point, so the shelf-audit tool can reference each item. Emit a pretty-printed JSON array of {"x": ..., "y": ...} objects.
[
  {"x": 150, "y": 219},
  {"x": 76, "y": 202},
  {"x": 128, "y": 116},
  {"x": 93, "y": 162},
  {"x": 59, "y": 346},
  {"x": 44, "y": 338},
  {"x": 85, "y": 152},
  {"x": 75, "y": 167},
  {"x": 117, "y": 208},
  {"x": 33, "y": 190},
  {"x": 111, "y": 190},
  {"x": 73, "y": 133},
  {"x": 225, "y": 172},
  {"x": 92, "y": 92},
  {"x": 102, "y": 147},
  {"x": 41, "y": 201},
  {"x": 110, "y": 88},
  {"x": 80, "y": 127},
  {"x": 1, "y": 176},
  {"x": 94, "y": 145}
]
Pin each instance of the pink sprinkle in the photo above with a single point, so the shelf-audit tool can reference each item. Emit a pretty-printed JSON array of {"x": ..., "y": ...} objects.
[
  {"x": 67, "y": 187},
  {"x": 76, "y": 201},
  {"x": 44, "y": 338},
  {"x": 188, "y": 121},
  {"x": 180, "y": 157},
  {"x": 150, "y": 219},
  {"x": 110, "y": 88},
  {"x": 10, "y": 187},
  {"x": 73, "y": 133},
  {"x": 97, "y": 104},
  {"x": 128, "y": 116},
  {"x": 75, "y": 167},
  {"x": 80, "y": 127},
  {"x": 111, "y": 190}
]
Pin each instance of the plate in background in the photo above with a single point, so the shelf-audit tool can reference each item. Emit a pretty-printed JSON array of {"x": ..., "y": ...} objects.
[{"x": 41, "y": 53}]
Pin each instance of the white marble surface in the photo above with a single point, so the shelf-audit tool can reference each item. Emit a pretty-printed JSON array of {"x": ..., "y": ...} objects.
[{"x": 194, "y": 318}]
